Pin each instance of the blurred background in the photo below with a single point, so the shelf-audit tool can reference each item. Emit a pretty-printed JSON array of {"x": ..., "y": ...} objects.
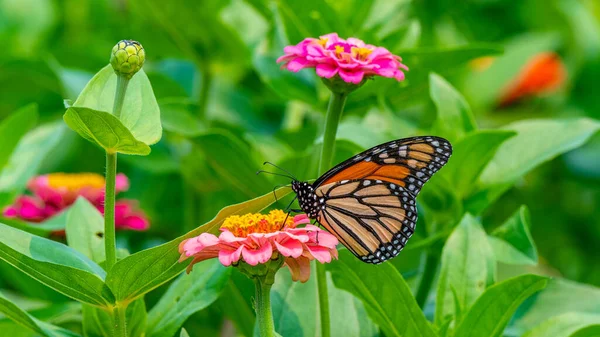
[{"x": 226, "y": 107}]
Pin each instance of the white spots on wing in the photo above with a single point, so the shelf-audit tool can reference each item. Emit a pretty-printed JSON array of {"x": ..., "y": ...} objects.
[
  {"x": 389, "y": 160},
  {"x": 402, "y": 153},
  {"x": 383, "y": 155},
  {"x": 368, "y": 159},
  {"x": 420, "y": 174},
  {"x": 435, "y": 143},
  {"x": 366, "y": 183}
]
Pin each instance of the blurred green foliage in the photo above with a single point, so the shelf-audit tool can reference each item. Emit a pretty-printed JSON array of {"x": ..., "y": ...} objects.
[{"x": 226, "y": 107}]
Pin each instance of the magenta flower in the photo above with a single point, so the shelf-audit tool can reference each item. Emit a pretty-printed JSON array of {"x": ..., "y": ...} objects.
[
  {"x": 259, "y": 238},
  {"x": 351, "y": 59},
  {"x": 55, "y": 192}
]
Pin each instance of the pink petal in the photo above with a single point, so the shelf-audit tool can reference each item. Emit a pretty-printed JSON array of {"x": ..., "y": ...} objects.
[
  {"x": 298, "y": 64},
  {"x": 321, "y": 254},
  {"x": 121, "y": 183},
  {"x": 301, "y": 219},
  {"x": 352, "y": 76},
  {"x": 228, "y": 256},
  {"x": 228, "y": 237},
  {"x": 10, "y": 212},
  {"x": 326, "y": 70},
  {"x": 299, "y": 268},
  {"x": 324, "y": 239},
  {"x": 261, "y": 254},
  {"x": 291, "y": 248},
  {"x": 195, "y": 245}
]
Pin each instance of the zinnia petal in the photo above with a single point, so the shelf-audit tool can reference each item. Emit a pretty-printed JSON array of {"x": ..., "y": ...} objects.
[
  {"x": 258, "y": 255},
  {"x": 299, "y": 268}
]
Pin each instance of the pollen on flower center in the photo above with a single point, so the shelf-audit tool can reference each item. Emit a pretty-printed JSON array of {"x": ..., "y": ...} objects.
[
  {"x": 242, "y": 225},
  {"x": 322, "y": 41},
  {"x": 75, "y": 181},
  {"x": 361, "y": 53},
  {"x": 339, "y": 50}
]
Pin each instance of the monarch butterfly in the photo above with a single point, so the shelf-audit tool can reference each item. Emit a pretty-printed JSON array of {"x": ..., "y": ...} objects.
[{"x": 368, "y": 201}]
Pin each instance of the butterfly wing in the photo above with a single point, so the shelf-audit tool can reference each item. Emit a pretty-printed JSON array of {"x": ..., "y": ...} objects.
[
  {"x": 372, "y": 218},
  {"x": 407, "y": 162}
]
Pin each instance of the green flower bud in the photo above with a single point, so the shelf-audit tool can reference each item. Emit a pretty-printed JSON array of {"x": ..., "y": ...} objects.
[{"x": 127, "y": 58}]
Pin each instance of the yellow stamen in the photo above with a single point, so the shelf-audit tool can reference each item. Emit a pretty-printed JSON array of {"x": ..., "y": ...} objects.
[
  {"x": 339, "y": 50},
  {"x": 75, "y": 181},
  {"x": 361, "y": 53},
  {"x": 323, "y": 41},
  {"x": 242, "y": 225}
]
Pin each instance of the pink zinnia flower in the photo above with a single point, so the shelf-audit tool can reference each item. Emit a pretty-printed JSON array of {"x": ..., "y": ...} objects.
[
  {"x": 258, "y": 238},
  {"x": 351, "y": 59},
  {"x": 55, "y": 192}
]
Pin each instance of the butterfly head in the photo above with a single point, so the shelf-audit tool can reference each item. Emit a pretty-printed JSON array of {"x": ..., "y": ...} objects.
[{"x": 307, "y": 198}]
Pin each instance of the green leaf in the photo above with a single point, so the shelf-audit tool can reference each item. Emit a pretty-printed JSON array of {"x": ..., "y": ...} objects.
[
  {"x": 470, "y": 155},
  {"x": 560, "y": 297},
  {"x": 454, "y": 116},
  {"x": 186, "y": 296},
  {"x": 55, "y": 265},
  {"x": 24, "y": 319},
  {"x": 104, "y": 130},
  {"x": 13, "y": 128},
  {"x": 85, "y": 230},
  {"x": 536, "y": 142},
  {"x": 385, "y": 294},
  {"x": 236, "y": 302},
  {"x": 140, "y": 112},
  {"x": 512, "y": 242},
  {"x": 492, "y": 311},
  {"x": 564, "y": 325},
  {"x": 590, "y": 331},
  {"x": 184, "y": 333},
  {"x": 468, "y": 267},
  {"x": 223, "y": 152},
  {"x": 139, "y": 273},
  {"x": 26, "y": 160},
  {"x": 99, "y": 323}
]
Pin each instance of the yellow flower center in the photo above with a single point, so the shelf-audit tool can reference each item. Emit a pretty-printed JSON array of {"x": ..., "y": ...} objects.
[
  {"x": 339, "y": 50},
  {"x": 323, "y": 41},
  {"x": 242, "y": 225},
  {"x": 75, "y": 181},
  {"x": 361, "y": 53}
]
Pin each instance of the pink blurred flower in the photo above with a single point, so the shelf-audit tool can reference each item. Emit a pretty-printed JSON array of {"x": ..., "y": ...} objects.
[
  {"x": 259, "y": 238},
  {"x": 351, "y": 59},
  {"x": 55, "y": 192}
]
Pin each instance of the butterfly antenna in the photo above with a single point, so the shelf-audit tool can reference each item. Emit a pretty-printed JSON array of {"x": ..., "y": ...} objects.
[
  {"x": 276, "y": 174},
  {"x": 276, "y": 187},
  {"x": 282, "y": 169},
  {"x": 291, "y": 202}
]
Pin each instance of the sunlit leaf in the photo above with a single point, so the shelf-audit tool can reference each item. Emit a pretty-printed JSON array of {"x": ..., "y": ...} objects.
[
  {"x": 385, "y": 294},
  {"x": 564, "y": 325},
  {"x": 104, "y": 130},
  {"x": 512, "y": 242},
  {"x": 492, "y": 311},
  {"x": 85, "y": 230},
  {"x": 140, "y": 113},
  {"x": 454, "y": 116},
  {"x": 186, "y": 296}
]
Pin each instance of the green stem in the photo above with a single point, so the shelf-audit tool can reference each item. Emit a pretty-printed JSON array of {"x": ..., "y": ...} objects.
[
  {"x": 109, "y": 211},
  {"x": 120, "y": 321},
  {"x": 266, "y": 327},
  {"x": 431, "y": 263},
  {"x": 334, "y": 114},
  {"x": 122, "y": 83}
]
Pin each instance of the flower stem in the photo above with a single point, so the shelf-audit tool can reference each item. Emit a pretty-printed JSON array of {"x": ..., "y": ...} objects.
[
  {"x": 122, "y": 83},
  {"x": 109, "y": 211},
  {"x": 205, "y": 86},
  {"x": 334, "y": 114},
  {"x": 266, "y": 327},
  {"x": 120, "y": 321}
]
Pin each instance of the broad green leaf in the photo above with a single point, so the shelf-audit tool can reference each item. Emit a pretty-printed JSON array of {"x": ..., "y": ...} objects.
[
  {"x": 454, "y": 116},
  {"x": 492, "y": 311},
  {"x": 512, "y": 242},
  {"x": 26, "y": 159},
  {"x": 468, "y": 267},
  {"x": 559, "y": 298},
  {"x": 104, "y": 130},
  {"x": 294, "y": 305},
  {"x": 13, "y": 128},
  {"x": 187, "y": 295},
  {"x": 590, "y": 331},
  {"x": 85, "y": 230},
  {"x": 564, "y": 325},
  {"x": 184, "y": 333},
  {"x": 140, "y": 113},
  {"x": 24, "y": 319},
  {"x": 99, "y": 323},
  {"x": 55, "y": 265},
  {"x": 470, "y": 155},
  {"x": 176, "y": 117},
  {"x": 223, "y": 152},
  {"x": 139, "y": 273},
  {"x": 384, "y": 293}
]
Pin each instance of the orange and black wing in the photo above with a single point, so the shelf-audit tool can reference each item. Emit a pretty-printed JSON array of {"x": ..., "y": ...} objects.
[
  {"x": 407, "y": 162},
  {"x": 374, "y": 219}
]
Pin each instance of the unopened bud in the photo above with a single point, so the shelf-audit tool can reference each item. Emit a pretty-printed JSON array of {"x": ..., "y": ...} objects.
[{"x": 127, "y": 58}]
